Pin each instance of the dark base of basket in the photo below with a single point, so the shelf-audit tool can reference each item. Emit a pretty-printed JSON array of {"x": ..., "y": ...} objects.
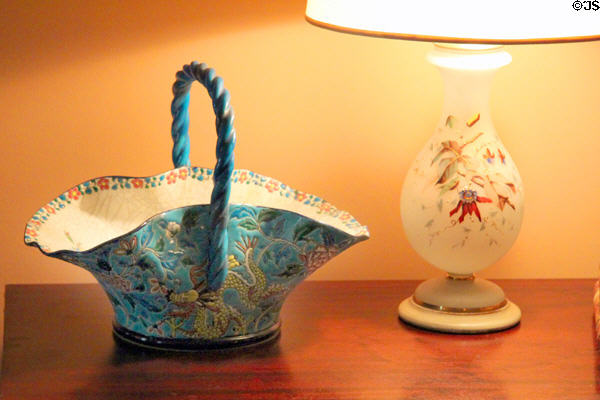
[{"x": 173, "y": 344}]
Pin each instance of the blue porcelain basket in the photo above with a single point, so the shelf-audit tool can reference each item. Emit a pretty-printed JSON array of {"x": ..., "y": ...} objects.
[{"x": 194, "y": 258}]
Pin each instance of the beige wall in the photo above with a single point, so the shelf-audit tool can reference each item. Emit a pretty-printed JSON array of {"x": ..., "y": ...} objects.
[{"x": 85, "y": 91}]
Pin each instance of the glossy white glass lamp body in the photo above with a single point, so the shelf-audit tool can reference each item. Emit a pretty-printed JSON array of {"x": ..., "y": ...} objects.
[
  {"x": 464, "y": 155},
  {"x": 462, "y": 200}
]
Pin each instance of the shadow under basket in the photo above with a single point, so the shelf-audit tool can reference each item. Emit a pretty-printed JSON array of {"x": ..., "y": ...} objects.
[{"x": 194, "y": 258}]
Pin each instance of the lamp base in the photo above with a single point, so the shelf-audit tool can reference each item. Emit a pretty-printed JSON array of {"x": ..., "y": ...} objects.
[{"x": 459, "y": 304}]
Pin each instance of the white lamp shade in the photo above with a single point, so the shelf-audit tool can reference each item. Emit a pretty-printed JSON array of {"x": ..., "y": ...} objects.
[{"x": 462, "y": 21}]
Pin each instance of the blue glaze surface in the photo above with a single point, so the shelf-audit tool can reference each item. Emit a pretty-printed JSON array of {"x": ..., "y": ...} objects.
[{"x": 157, "y": 277}]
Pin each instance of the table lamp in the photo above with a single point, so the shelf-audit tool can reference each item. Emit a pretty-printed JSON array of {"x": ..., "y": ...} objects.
[{"x": 462, "y": 199}]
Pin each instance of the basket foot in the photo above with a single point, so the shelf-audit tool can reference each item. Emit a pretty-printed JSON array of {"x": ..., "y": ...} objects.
[{"x": 174, "y": 344}]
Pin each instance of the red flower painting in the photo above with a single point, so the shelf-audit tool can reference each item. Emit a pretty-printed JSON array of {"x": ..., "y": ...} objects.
[
  {"x": 102, "y": 183},
  {"x": 74, "y": 193},
  {"x": 468, "y": 200}
]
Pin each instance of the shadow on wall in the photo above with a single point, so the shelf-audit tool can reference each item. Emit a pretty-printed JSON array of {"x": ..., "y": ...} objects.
[{"x": 67, "y": 30}]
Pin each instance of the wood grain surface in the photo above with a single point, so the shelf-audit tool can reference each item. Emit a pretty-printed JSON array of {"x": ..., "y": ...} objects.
[{"x": 340, "y": 340}]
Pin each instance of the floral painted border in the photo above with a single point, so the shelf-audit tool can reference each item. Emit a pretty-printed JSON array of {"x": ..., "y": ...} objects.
[{"x": 96, "y": 185}]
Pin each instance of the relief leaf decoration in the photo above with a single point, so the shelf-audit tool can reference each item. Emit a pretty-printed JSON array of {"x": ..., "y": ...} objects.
[
  {"x": 267, "y": 215},
  {"x": 451, "y": 185},
  {"x": 502, "y": 201},
  {"x": 449, "y": 146},
  {"x": 249, "y": 224},
  {"x": 302, "y": 231},
  {"x": 450, "y": 121},
  {"x": 449, "y": 165},
  {"x": 503, "y": 188},
  {"x": 448, "y": 172}
]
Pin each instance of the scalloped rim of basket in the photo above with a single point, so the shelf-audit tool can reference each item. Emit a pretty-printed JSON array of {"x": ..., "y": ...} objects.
[{"x": 142, "y": 198}]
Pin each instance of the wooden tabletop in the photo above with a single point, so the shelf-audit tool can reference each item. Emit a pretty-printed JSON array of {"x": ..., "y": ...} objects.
[{"x": 340, "y": 340}]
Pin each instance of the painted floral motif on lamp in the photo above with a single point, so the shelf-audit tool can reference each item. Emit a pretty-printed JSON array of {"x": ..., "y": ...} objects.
[{"x": 458, "y": 174}]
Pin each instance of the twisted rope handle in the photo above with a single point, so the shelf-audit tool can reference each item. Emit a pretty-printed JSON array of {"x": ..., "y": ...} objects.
[{"x": 219, "y": 201}]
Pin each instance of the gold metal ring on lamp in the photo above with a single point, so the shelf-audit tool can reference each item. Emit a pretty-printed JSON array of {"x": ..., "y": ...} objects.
[{"x": 461, "y": 310}]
